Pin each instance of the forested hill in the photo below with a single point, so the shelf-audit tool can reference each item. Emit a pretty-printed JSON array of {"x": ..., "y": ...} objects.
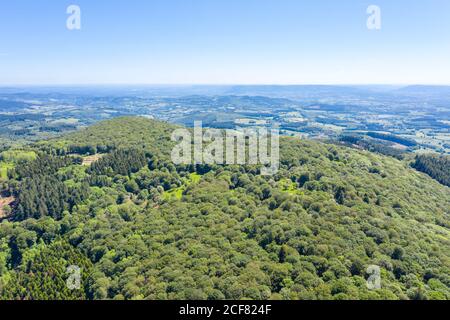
[
  {"x": 108, "y": 200},
  {"x": 120, "y": 133},
  {"x": 436, "y": 166}
]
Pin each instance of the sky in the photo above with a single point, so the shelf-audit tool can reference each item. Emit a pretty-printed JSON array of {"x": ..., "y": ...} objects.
[{"x": 224, "y": 42}]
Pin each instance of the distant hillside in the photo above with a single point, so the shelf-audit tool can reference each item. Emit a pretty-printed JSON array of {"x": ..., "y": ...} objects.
[
  {"x": 123, "y": 132},
  {"x": 425, "y": 89},
  {"x": 437, "y": 93},
  {"x": 298, "y": 91},
  {"x": 144, "y": 228}
]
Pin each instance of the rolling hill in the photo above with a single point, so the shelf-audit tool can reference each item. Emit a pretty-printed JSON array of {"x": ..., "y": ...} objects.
[{"x": 140, "y": 227}]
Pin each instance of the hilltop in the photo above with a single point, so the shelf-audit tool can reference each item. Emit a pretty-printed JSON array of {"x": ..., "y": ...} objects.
[{"x": 123, "y": 132}]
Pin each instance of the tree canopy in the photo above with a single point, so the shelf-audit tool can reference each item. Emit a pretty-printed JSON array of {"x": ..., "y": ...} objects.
[{"x": 140, "y": 227}]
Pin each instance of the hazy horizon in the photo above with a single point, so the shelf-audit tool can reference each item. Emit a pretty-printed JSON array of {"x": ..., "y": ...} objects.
[{"x": 75, "y": 85}]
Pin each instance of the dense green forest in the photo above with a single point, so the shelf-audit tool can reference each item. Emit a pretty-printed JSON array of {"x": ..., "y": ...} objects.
[
  {"x": 437, "y": 166},
  {"x": 140, "y": 227},
  {"x": 372, "y": 145}
]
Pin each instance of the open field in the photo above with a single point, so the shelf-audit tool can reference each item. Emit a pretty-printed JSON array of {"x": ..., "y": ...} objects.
[{"x": 4, "y": 167}]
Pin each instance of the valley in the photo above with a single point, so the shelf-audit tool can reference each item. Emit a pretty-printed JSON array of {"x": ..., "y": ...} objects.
[{"x": 416, "y": 114}]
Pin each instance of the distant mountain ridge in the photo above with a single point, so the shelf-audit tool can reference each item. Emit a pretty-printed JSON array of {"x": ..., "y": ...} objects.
[
  {"x": 424, "y": 89},
  {"x": 263, "y": 90}
]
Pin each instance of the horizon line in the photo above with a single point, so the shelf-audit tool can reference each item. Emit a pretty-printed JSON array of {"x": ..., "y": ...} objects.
[{"x": 213, "y": 84}]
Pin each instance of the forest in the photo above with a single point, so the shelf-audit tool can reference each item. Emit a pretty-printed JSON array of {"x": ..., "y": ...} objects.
[
  {"x": 140, "y": 227},
  {"x": 436, "y": 166}
]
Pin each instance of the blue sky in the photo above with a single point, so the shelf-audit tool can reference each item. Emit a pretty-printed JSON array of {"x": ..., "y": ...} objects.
[{"x": 224, "y": 42}]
